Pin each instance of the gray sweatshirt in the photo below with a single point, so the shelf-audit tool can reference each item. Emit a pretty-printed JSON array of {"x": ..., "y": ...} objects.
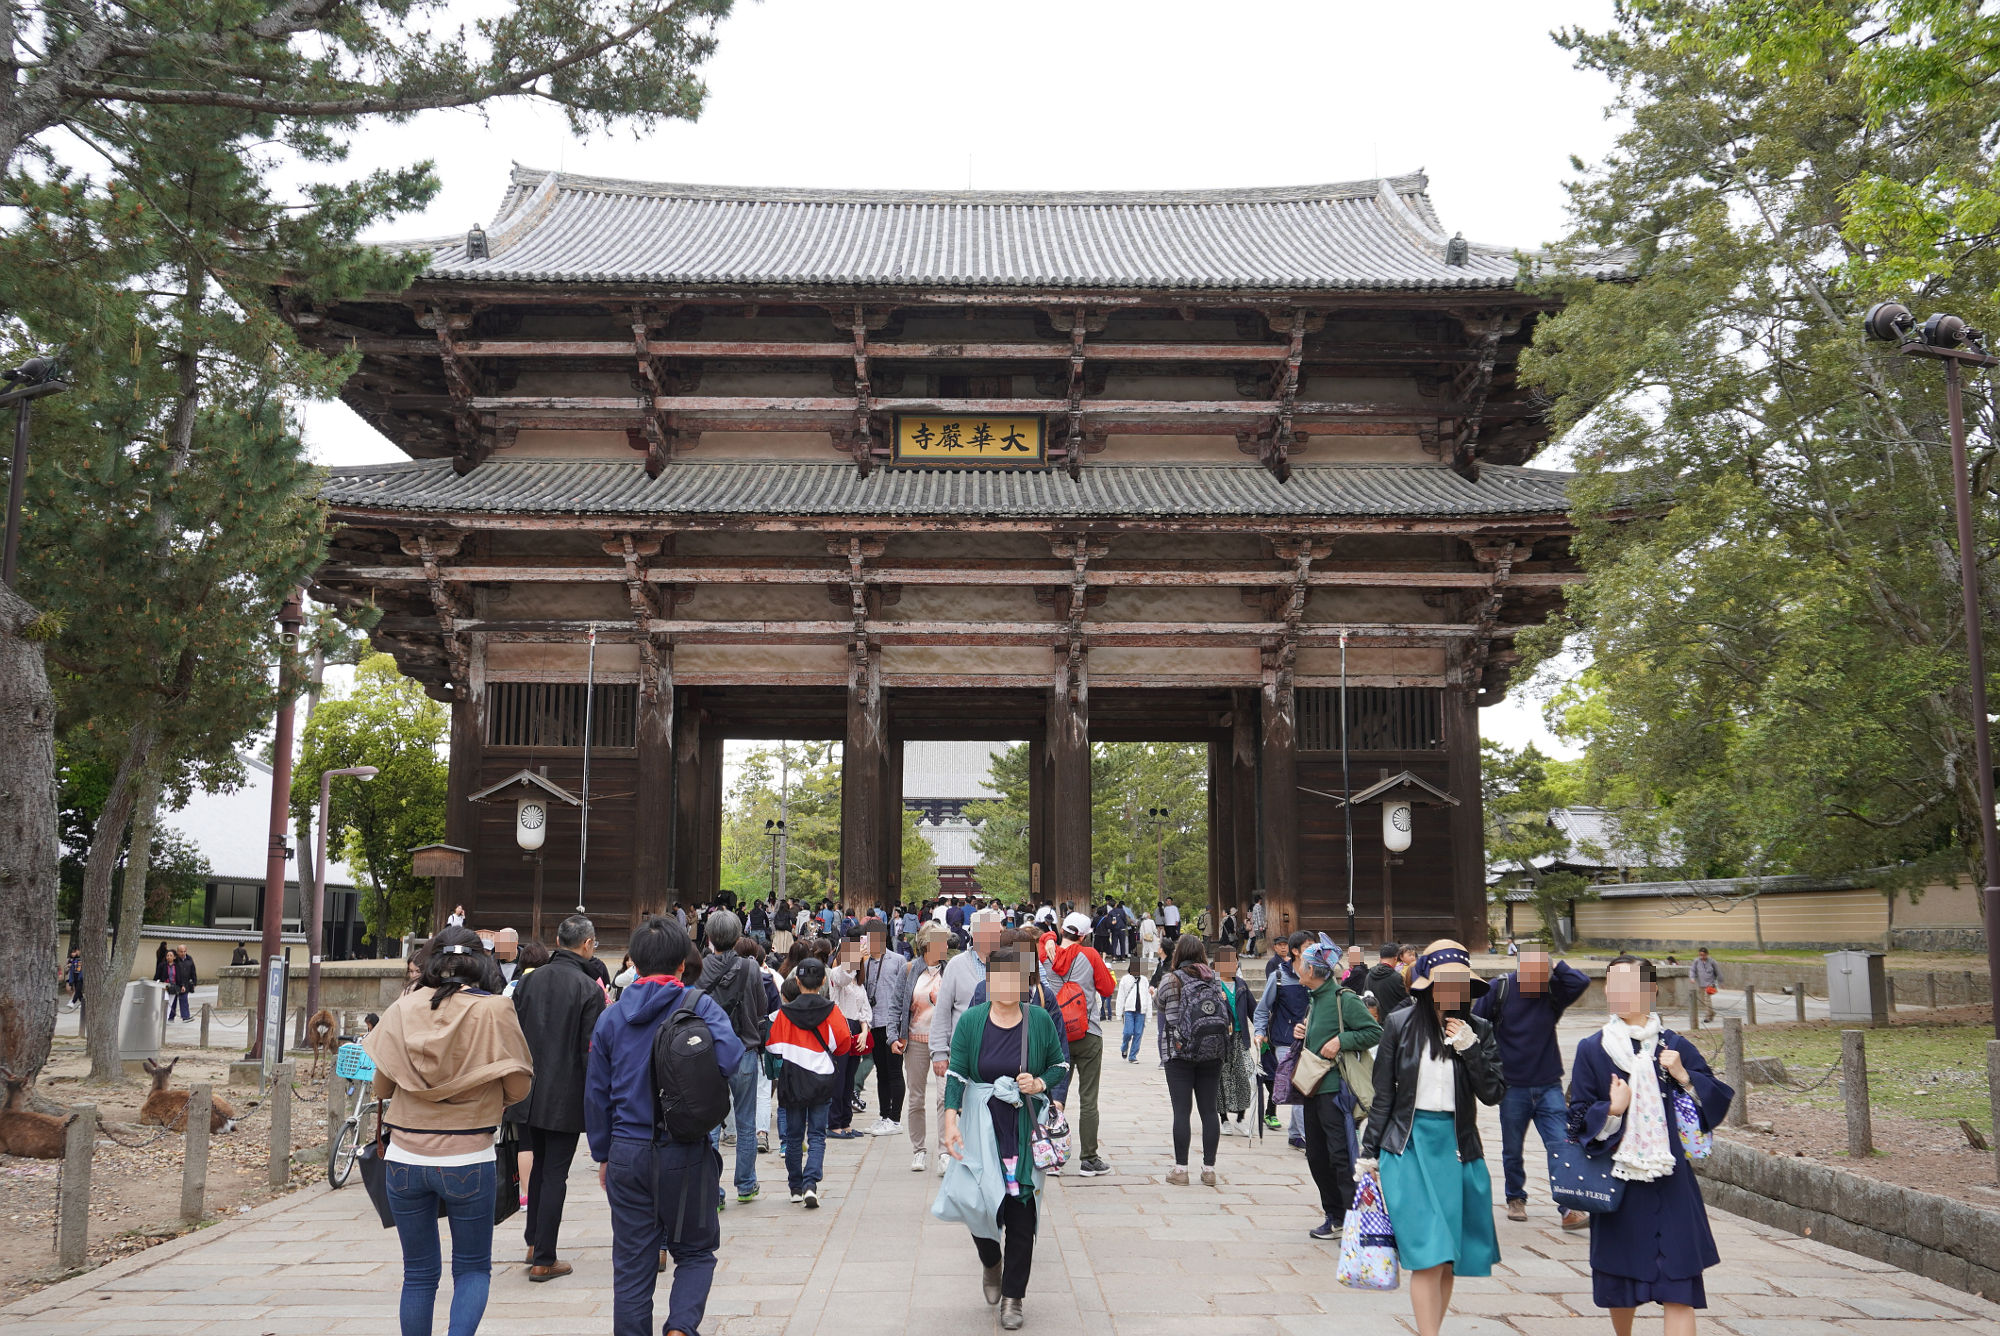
[{"x": 963, "y": 974}]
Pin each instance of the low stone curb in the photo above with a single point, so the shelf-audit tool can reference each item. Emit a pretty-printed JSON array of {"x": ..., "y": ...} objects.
[{"x": 1949, "y": 1241}]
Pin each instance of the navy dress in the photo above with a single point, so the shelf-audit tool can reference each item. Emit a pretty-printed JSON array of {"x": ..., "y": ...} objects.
[{"x": 1654, "y": 1247}]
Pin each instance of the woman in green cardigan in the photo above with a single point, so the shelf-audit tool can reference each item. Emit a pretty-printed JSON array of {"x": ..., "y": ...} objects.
[{"x": 999, "y": 1049}]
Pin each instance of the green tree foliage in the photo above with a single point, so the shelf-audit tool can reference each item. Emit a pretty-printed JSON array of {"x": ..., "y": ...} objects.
[
  {"x": 388, "y": 722},
  {"x": 808, "y": 775},
  {"x": 1518, "y": 790},
  {"x": 73, "y": 66},
  {"x": 1127, "y": 779},
  {"x": 1776, "y": 637}
]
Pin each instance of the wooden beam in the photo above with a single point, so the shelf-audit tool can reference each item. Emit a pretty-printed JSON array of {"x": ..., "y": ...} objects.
[
  {"x": 1392, "y": 354},
  {"x": 611, "y": 406}
]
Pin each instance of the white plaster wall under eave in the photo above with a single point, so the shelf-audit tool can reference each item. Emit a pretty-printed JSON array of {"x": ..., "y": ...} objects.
[
  {"x": 813, "y": 447},
  {"x": 971, "y": 660},
  {"x": 538, "y": 443}
]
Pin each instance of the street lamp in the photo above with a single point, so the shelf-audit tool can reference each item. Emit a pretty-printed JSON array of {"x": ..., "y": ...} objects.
[
  {"x": 1948, "y": 339},
  {"x": 1159, "y": 819},
  {"x": 31, "y": 380},
  {"x": 268, "y": 1043},
  {"x": 313, "y": 925}
]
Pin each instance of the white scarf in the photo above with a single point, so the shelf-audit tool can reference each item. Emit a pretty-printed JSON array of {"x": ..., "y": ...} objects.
[{"x": 1646, "y": 1153}]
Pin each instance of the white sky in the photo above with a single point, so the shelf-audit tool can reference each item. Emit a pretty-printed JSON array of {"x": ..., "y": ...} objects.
[{"x": 1081, "y": 94}]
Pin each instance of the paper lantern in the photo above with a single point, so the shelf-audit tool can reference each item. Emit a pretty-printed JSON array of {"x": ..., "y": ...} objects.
[
  {"x": 1396, "y": 825},
  {"x": 531, "y": 821}
]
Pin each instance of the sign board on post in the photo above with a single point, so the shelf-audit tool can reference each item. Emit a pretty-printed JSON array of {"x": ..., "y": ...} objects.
[
  {"x": 274, "y": 1014},
  {"x": 971, "y": 440}
]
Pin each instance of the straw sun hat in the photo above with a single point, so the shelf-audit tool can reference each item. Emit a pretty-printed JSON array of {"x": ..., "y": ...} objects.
[{"x": 1447, "y": 961}]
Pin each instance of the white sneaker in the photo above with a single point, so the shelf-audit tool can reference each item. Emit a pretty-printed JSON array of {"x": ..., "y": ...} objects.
[
  {"x": 918, "y": 1161},
  {"x": 944, "y": 1162},
  {"x": 884, "y": 1127}
]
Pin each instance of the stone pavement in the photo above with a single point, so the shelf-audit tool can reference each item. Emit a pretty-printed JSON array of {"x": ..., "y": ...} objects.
[{"x": 1123, "y": 1253}]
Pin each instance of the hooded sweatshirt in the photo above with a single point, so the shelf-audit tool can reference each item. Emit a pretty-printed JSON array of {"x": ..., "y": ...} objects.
[
  {"x": 1074, "y": 962},
  {"x": 450, "y": 1071},
  {"x": 618, "y": 1091},
  {"x": 806, "y": 1036}
]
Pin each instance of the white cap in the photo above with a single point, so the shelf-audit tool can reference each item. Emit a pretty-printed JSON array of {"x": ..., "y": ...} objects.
[{"x": 1077, "y": 925}]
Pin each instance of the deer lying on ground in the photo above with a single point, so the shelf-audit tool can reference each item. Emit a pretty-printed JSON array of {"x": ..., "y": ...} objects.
[
  {"x": 168, "y": 1108},
  {"x": 322, "y": 1036},
  {"x": 38, "y": 1136}
]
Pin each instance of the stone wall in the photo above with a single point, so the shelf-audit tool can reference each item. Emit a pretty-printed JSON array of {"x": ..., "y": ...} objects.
[{"x": 1949, "y": 1241}]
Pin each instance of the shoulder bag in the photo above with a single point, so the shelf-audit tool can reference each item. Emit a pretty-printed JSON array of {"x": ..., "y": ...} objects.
[
  {"x": 1355, "y": 1069},
  {"x": 1579, "y": 1182}
]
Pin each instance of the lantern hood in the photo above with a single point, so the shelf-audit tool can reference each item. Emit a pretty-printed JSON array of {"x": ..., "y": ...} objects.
[
  {"x": 524, "y": 784},
  {"x": 1405, "y": 786}
]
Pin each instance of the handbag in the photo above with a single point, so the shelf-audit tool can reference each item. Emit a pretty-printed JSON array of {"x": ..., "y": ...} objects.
[
  {"x": 374, "y": 1181},
  {"x": 1368, "y": 1243},
  {"x": 1311, "y": 1070},
  {"x": 1696, "y": 1140},
  {"x": 1579, "y": 1182},
  {"x": 507, "y": 1174},
  {"x": 1282, "y": 1090},
  {"x": 1356, "y": 1071},
  {"x": 1049, "y": 1143}
]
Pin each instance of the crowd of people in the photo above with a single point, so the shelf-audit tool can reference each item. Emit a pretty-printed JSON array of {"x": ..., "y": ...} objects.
[{"x": 983, "y": 1028}]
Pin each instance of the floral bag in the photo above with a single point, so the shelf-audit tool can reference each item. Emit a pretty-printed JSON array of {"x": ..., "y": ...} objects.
[
  {"x": 1049, "y": 1143},
  {"x": 1696, "y": 1141},
  {"x": 1368, "y": 1244}
]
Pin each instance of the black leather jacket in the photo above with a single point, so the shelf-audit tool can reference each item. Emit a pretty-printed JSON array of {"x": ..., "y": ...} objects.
[{"x": 1396, "y": 1058}]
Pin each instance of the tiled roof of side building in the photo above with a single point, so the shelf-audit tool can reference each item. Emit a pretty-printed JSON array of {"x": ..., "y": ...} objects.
[
  {"x": 554, "y": 227},
  {"x": 1109, "y": 491}
]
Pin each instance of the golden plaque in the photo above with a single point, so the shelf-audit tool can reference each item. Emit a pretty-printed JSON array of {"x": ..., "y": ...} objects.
[{"x": 971, "y": 440}]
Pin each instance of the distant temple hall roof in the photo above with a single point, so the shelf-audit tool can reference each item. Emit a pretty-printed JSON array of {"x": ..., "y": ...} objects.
[
  {"x": 592, "y": 487},
  {"x": 553, "y": 227}
]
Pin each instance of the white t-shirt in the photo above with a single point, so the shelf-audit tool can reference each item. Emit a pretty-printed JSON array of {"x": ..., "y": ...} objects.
[{"x": 1171, "y": 916}]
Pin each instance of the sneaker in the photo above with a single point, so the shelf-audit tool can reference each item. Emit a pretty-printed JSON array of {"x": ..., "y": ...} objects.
[
  {"x": 858, "y": 1104},
  {"x": 884, "y": 1127},
  {"x": 1208, "y": 1175},
  {"x": 729, "y": 1136},
  {"x": 1574, "y": 1220},
  {"x": 798, "y": 1197},
  {"x": 750, "y": 1195},
  {"x": 763, "y": 1143},
  {"x": 812, "y": 1199},
  {"x": 1273, "y": 1121},
  {"x": 944, "y": 1163},
  {"x": 1296, "y": 1143},
  {"x": 918, "y": 1161},
  {"x": 1092, "y": 1166},
  {"x": 846, "y": 1134},
  {"x": 1325, "y": 1231},
  {"x": 1177, "y": 1177},
  {"x": 1517, "y": 1208},
  {"x": 721, "y": 1200}
]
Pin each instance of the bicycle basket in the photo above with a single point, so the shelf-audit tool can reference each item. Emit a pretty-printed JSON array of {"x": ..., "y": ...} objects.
[{"x": 352, "y": 1063}]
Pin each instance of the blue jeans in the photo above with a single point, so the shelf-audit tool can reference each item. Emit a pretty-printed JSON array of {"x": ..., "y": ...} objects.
[
  {"x": 743, "y": 1104},
  {"x": 1135, "y": 1035},
  {"x": 805, "y": 1125},
  {"x": 662, "y": 1195},
  {"x": 467, "y": 1193},
  {"x": 1544, "y": 1105}
]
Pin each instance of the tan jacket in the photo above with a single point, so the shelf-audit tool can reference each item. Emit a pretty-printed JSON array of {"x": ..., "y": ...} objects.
[{"x": 451, "y": 1069}]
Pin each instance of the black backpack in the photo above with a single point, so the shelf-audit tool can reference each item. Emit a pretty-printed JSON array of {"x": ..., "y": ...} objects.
[
  {"x": 690, "y": 1094},
  {"x": 1207, "y": 1030}
]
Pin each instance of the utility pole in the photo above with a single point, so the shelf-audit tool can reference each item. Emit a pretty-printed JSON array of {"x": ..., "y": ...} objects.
[{"x": 289, "y": 620}]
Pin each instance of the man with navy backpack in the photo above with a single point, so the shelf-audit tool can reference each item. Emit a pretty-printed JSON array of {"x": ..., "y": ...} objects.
[{"x": 660, "y": 1063}]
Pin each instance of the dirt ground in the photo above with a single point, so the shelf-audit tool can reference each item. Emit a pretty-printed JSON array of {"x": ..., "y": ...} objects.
[
  {"x": 1929, "y": 1154},
  {"x": 136, "y": 1188}
]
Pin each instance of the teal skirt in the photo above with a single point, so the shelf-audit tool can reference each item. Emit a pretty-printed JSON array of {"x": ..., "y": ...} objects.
[{"x": 1441, "y": 1210}]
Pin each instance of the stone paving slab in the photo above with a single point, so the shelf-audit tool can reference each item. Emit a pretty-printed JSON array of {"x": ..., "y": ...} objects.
[{"x": 1123, "y": 1253}]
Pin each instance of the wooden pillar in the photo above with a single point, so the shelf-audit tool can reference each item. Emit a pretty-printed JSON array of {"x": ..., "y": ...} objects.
[
  {"x": 653, "y": 804},
  {"x": 1468, "y": 819},
  {"x": 467, "y": 764},
  {"x": 1278, "y": 802},
  {"x": 1220, "y": 890},
  {"x": 686, "y": 761},
  {"x": 892, "y": 826},
  {"x": 708, "y": 870},
  {"x": 1240, "y": 777},
  {"x": 1038, "y": 816},
  {"x": 863, "y": 781},
  {"x": 1067, "y": 874}
]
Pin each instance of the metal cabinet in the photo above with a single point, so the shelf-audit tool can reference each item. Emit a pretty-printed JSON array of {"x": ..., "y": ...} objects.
[
  {"x": 1856, "y": 989},
  {"x": 139, "y": 1020}
]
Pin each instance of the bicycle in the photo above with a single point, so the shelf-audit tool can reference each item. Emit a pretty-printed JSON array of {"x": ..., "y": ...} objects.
[{"x": 353, "y": 1065}]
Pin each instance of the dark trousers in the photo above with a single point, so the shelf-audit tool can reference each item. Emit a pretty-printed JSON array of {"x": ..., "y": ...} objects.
[
  {"x": 1326, "y": 1154},
  {"x": 548, "y": 1189},
  {"x": 841, "y": 1115},
  {"x": 178, "y": 1002},
  {"x": 1017, "y": 1257},
  {"x": 662, "y": 1195},
  {"x": 888, "y": 1077},
  {"x": 1195, "y": 1083}
]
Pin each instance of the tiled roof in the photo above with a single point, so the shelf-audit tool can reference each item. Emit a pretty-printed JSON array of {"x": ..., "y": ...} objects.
[
  {"x": 1109, "y": 491},
  {"x": 555, "y": 227}
]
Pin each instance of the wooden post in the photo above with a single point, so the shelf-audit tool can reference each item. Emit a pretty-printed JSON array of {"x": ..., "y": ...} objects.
[
  {"x": 194, "y": 1161},
  {"x": 1066, "y": 875},
  {"x": 653, "y": 803},
  {"x": 281, "y": 1125},
  {"x": 466, "y": 777},
  {"x": 1930, "y": 990},
  {"x": 687, "y": 794},
  {"x": 207, "y": 1014},
  {"x": 1993, "y": 1098},
  {"x": 73, "y": 1196},
  {"x": 1799, "y": 999},
  {"x": 1732, "y": 1067},
  {"x": 1222, "y": 888},
  {"x": 1038, "y": 811},
  {"x": 1889, "y": 984},
  {"x": 892, "y": 826},
  {"x": 708, "y": 847},
  {"x": 1694, "y": 1007},
  {"x": 336, "y": 1106},
  {"x": 1241, "y": 771},
  {"x": 1854, "y": 1088},
  {"x": 861, "y": 795},
  {"x": 299, "y": 1038},
  {"x": 1467, "y": 821},
  {"x": 1749, "y": 1004},
  {"x": 1278, "y": 801}
]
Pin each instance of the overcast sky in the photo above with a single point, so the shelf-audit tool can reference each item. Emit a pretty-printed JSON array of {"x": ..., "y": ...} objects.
[{"x": 1080, "y": 94}]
